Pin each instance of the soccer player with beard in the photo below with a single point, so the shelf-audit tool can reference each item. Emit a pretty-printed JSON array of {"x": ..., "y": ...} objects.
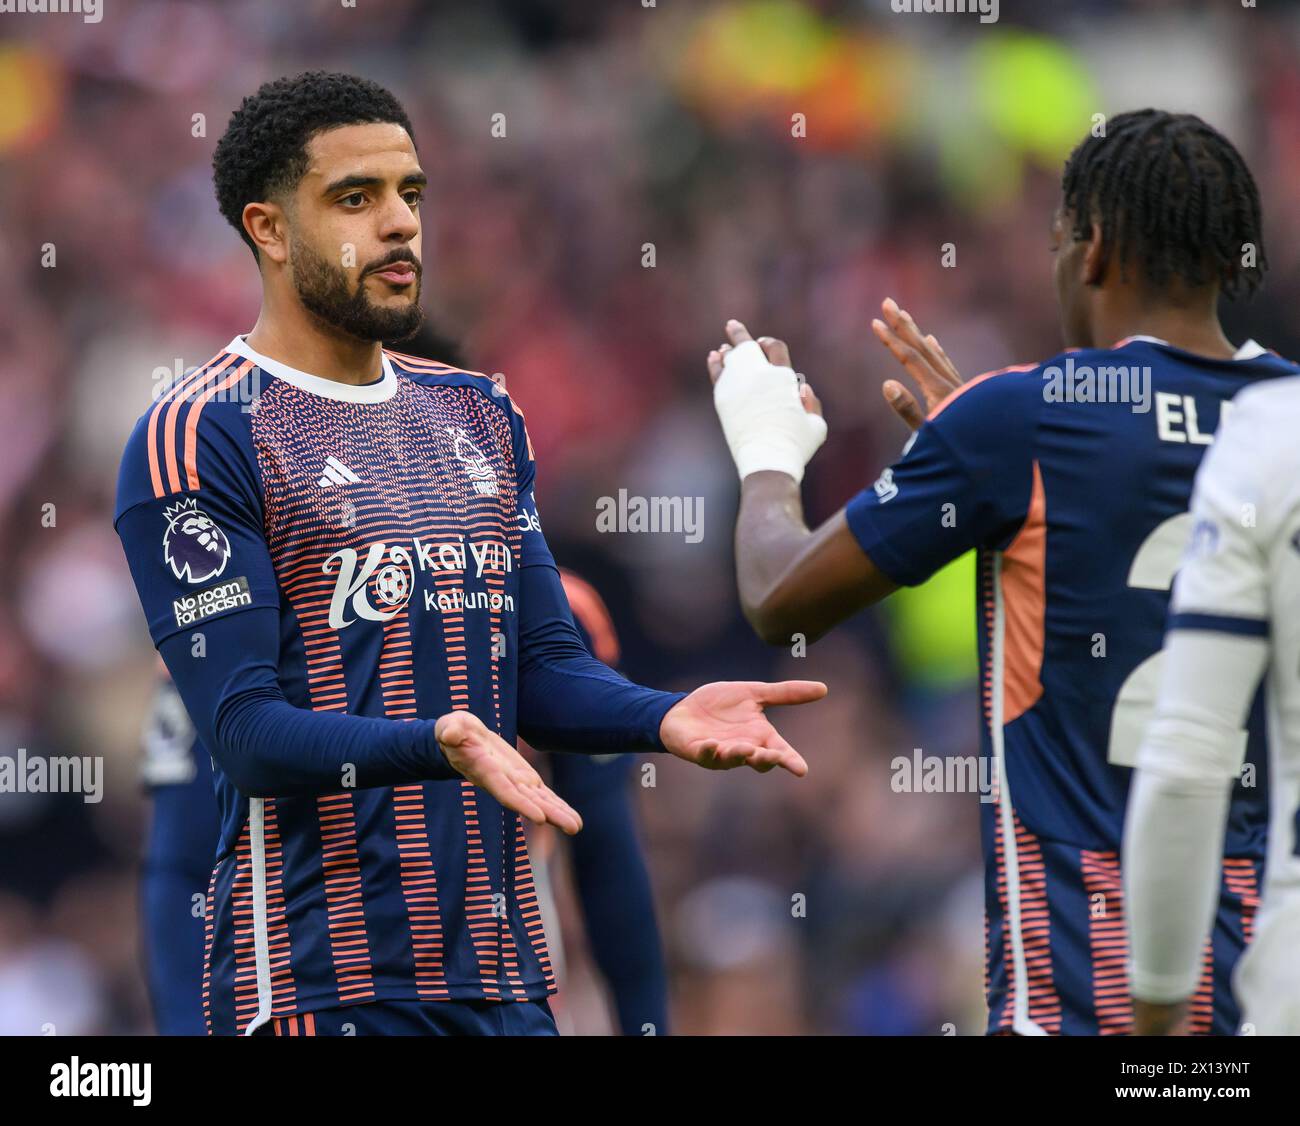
[
  {"x": 340, "y": 558},
  {"x": 610, "y": 875}
]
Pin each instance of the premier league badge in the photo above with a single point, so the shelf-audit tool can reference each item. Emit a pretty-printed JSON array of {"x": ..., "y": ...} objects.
[{"x": 193, "y": 546}]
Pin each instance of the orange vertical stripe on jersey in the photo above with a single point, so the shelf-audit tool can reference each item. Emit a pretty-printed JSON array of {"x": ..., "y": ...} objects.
[
  {"x": 170, "y": 426},
  {"x": 1024, "y": 590},
  {"x": 345, "y": 915},
  {"x": 178, "y": 390},
  {"x": 419, "y": 881},
  {"x": 192, "y": 422}
]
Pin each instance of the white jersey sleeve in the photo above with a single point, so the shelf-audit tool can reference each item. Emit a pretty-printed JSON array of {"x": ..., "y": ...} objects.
[{"x": 1229, "y": 600}]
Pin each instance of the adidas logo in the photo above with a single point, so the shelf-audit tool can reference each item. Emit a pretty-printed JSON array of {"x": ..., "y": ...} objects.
[{"x": 336, "y": 473}]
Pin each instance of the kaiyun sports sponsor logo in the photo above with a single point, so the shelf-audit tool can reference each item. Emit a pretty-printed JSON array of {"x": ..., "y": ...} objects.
[{"x": 378, "y": 585}]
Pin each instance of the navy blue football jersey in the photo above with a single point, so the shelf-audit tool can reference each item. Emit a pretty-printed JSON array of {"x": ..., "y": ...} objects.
[{"x": 1072, "y": 479}]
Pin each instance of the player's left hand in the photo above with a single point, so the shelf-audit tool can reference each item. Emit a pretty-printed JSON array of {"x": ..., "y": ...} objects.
[
  {"x": 482, "y": 757},
  {"x": 922, "y": 357},
  {"x": 721, "y": 726},
  {"x": 1150, "y": 1019}
]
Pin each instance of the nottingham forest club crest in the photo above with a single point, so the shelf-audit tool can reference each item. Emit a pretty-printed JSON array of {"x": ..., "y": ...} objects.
[
  {"x": 193, "y": 546},
  {"x": 481, "y": 474}
]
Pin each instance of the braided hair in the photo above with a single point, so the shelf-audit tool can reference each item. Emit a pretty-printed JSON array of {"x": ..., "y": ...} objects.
[{"x": 1172, "y": 195}]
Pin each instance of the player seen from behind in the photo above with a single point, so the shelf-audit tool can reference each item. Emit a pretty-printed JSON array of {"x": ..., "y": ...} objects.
[{"x": 1072, "y": 479}]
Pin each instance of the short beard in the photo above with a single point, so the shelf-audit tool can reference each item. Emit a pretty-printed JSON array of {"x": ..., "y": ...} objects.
[{"x": 323, "y": 290}]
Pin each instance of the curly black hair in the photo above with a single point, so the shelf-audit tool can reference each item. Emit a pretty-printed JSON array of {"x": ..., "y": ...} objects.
[
  {"x": 264, "y": 150},
  {"x": 1171, "y": 193}
]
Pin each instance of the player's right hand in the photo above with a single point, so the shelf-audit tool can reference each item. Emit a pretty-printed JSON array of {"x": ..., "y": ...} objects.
[
  {"x": 776, "y": 351},
  {"x": 770, "y": 418},
  {"x": 922, "y": 358},
  {"x": 488, "y": 761}
]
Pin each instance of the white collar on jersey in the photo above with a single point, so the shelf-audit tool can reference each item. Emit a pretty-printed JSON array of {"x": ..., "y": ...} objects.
[
  {"x": 1251, "y": 350},
  {"x": 378, "y": 392}
]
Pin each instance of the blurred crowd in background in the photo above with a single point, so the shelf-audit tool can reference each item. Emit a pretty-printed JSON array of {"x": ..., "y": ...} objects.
[{"x": 662, "y": 169}]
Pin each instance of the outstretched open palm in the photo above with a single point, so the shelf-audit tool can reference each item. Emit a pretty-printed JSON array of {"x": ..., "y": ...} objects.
[
  {"x": 487, "y": 760},
  {"x": 722, "y": 726}
]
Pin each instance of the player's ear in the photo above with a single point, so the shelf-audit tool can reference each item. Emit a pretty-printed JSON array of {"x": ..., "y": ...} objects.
[
  {"x": 267, "y": 225},
  {"x": 1094, "y": 257}
]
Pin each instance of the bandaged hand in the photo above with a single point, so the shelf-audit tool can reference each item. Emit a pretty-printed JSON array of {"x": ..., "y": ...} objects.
[{"x": 770, "y": 418}]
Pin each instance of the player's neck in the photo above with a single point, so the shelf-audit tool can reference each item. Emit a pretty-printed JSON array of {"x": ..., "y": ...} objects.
[
  {"x": 1192, "y": 326},
  {"x": 307, "y": 344}
]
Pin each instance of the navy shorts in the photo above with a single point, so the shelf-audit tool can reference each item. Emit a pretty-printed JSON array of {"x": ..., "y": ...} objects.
[{"x": 1064, "y": 969}]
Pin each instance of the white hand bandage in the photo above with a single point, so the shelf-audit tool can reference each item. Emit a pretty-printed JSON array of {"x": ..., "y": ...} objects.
[{"x": 763, "y": 416}]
